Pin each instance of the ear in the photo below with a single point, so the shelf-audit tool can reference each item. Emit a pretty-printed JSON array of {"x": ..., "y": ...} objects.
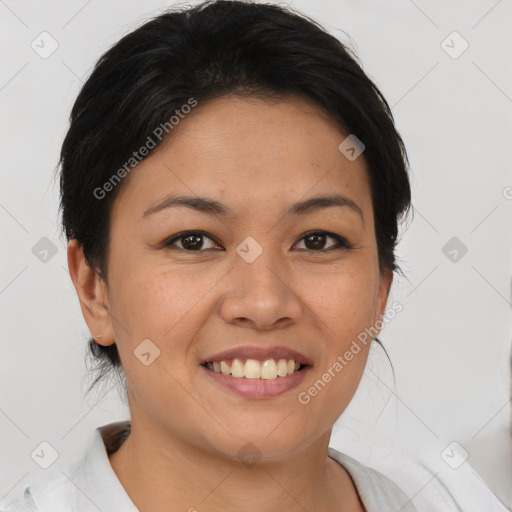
[
  {"x": 385, "y": 281},
  {"x": 92, "y": 294}
]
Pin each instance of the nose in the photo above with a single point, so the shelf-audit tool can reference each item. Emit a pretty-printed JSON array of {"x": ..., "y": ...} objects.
[{"x": 261, "y": 294}]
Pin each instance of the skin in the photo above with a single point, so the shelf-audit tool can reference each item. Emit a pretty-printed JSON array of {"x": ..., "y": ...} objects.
[{"x": 258, "y": 157}]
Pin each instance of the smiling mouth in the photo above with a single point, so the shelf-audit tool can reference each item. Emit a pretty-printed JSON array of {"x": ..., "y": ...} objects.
[{"x": 267, "y": 369}]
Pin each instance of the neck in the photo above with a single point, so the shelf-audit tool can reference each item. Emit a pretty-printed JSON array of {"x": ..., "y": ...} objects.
[{"x": 162, "y": 473}]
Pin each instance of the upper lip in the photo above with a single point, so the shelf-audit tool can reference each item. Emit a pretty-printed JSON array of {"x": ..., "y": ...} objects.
[{"x": 258, "y": 352}]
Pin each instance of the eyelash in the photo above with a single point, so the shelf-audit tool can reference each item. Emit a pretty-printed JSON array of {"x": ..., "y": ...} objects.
[{"x": 342, "y": 243}]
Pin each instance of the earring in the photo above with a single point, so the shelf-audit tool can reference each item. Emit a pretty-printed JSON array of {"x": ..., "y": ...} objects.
[{"x": 98, "y": 335}]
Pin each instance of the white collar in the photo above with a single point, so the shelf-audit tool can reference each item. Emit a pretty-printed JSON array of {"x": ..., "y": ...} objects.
[
  {"x": 93, "y": 486},
  {"x": 97, "y": 487}
]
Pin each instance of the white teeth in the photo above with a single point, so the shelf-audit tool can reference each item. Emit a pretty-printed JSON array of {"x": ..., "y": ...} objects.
[
  {"x": 269, "y": 369},
  {"x": 282, "y": 368},
  {"x": 254, "y": 369},
  {"x": 237, "y": 368},
  {"x": 224, "y": 368}
]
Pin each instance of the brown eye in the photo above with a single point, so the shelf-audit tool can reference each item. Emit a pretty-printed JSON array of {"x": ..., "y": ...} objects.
[
  {"x": 191, "y": 241},
  {"x": 316, "y": 241},
  {"x": 198, "y": 241}
]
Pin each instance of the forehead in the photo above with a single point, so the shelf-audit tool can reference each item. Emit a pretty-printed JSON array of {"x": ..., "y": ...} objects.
[{"x": 248, "y": 151}]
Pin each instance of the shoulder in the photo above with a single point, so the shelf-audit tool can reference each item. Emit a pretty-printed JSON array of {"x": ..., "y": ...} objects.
[
  {"x": 81, "y": 486},
  {"x": 25, "y": 504},
  {"x": 375, "y": 488},
  {"x": 53, "y": 494}
]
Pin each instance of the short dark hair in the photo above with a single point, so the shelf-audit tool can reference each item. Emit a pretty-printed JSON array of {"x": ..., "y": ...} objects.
[{"x": 207, "y": 51}]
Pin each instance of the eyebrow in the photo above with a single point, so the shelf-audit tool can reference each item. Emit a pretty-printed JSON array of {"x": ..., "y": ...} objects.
[{"x": 214, "y": 208}]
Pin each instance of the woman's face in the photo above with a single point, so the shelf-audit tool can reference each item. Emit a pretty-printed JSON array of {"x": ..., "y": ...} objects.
[{"x": 253, "y": 279}]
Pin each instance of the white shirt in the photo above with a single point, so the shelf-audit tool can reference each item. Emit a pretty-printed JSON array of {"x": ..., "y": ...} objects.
[{"x": 93, "y": 485}]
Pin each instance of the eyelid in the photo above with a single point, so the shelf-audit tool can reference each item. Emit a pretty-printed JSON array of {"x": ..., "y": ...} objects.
[
  {"x": 168, "y": 243},
  {"x": 342, "y": 243}
]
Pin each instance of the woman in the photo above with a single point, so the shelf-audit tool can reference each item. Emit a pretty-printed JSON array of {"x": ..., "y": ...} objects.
[{"x": 231, "y": 188}]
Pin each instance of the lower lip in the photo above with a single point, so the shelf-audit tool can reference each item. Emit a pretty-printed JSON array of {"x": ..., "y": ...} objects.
[{"x": 258, "y": 388}]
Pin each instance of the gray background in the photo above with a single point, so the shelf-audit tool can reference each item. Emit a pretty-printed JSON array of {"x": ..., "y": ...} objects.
[{"x": 450, "y": 346}]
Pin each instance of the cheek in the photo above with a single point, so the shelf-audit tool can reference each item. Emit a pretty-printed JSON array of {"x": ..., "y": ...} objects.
[
  {"x": 344, "y": 301},
  {"x": 166, "y": 307},
  {"x": 344, "y": 309},
  {"x": 156, "y": 302}
]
